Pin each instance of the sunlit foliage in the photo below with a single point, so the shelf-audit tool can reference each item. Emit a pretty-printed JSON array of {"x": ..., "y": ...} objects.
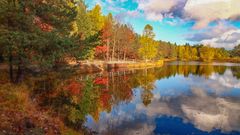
[
  {"x": 206, "y": 53},
  {"x": 148, "y": 46}
]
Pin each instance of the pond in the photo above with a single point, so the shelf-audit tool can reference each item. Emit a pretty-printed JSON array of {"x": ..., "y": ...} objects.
[{"x": 176, "y": 99}]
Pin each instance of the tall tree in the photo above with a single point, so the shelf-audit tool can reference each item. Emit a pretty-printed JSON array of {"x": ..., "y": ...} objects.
[
  {"x": 148, "y": 31},
  {"x": 115, "y": 34},
  {"x": 35, "y": 32},
  {"x": 122, "y": 41},
  {"x": 83, "y": 22},
  {"x": 148, "y": 49},
  {"x": 88, "y": 26},
  {"x": 107, "y": 33},
  {"x": 97, "y": 19},
  {"x": 127, "y": 40}
]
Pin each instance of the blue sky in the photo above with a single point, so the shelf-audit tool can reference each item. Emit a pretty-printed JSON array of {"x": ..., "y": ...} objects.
[{"x": 212, "y": 22}]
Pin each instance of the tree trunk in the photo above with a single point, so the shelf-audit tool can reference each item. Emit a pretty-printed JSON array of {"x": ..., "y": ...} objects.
[
  {"x": 10, "y": 60},
  {"x": 118, "y": 53},
  {"x": 19, "y": 76},
  {"x": 108, "y": 49},
  {"x": 113, "y": 51}
]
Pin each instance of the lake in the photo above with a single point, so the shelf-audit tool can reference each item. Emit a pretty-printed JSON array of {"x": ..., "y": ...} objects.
[{"x": 176, "y": 99}]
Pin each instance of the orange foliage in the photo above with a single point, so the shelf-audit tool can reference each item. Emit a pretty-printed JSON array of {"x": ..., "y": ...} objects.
[
  {"x": 37, "y": 20},
  {"x": 101, "y": 49},
  {"x": 105, "y": 99},
  {"x": 101, "y": 81},
  {"x": 106, "y": 31},
  {"x": 125, "y": 78},
  {"x": 43, "y": 26},
  {"x": 74, "y": 88}
]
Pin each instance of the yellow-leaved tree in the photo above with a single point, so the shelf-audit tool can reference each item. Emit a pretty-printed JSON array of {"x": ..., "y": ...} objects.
[
  {"x": 96, "y": 18},
  {"x": 148, "y": 46},
  {"x": 206, "y": 53}
]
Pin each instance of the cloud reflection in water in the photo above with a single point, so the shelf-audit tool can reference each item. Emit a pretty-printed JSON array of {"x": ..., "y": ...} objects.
[{"x": 204, "y": 104}]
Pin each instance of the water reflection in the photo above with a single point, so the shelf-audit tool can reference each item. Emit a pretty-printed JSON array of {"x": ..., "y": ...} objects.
[{"x": 177, "y": 98}]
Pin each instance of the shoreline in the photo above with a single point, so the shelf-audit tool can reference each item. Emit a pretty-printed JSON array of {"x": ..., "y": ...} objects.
[
  {"x": 100, "y": 66},
  {"x": 85, "y": 67}
]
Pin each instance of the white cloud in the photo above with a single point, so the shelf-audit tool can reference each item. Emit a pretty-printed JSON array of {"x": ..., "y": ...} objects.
[
  {"x": 155, "y": 9},
  {"x": 228, "y": 39},
  {"x": 222, "y": 35},
  {"x": 226, "y": 80},
  {"x": 154, "y": 17},
  {"x": 206, "y": 11},
  {"x": 210, "y": 32},
  {"x": 202, "y": 11},
  {"x": 201, "y": 107},
  {"x": 157, "y": 5},
  {"x": 205, "y": 111}
]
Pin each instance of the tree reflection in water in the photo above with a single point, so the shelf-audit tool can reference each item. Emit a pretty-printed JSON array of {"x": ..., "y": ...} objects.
[{"x": 75, "y": 98}]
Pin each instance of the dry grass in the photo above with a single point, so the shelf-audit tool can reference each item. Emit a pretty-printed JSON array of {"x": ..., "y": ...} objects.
[{"x": 20, "y": 115}]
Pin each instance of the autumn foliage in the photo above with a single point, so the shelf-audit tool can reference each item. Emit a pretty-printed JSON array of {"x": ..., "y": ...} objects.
[
  {"x": 100, "y": 50},
  {"x": 38, "y": 21},
  {"x": 43, "y": 26},
  {"x": 105, "y": 99},
  {"x": 101, "y": 81},
  {"x": 74, "y": 88}
]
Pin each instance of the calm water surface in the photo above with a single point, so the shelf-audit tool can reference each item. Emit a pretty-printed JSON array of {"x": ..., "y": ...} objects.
[{"x": 177, "y": 99}]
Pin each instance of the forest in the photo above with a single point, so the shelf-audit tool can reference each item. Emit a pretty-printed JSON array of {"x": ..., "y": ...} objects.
[{"x": 47, "y": 33}]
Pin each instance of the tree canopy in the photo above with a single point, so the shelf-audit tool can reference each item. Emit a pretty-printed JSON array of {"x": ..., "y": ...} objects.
[
  {"x": 148, "y": 46},
  {"x": 236, "y": 51}
]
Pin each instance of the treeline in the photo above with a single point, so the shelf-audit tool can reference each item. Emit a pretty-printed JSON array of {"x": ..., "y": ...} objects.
[{"x": 195, "y": 52}]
